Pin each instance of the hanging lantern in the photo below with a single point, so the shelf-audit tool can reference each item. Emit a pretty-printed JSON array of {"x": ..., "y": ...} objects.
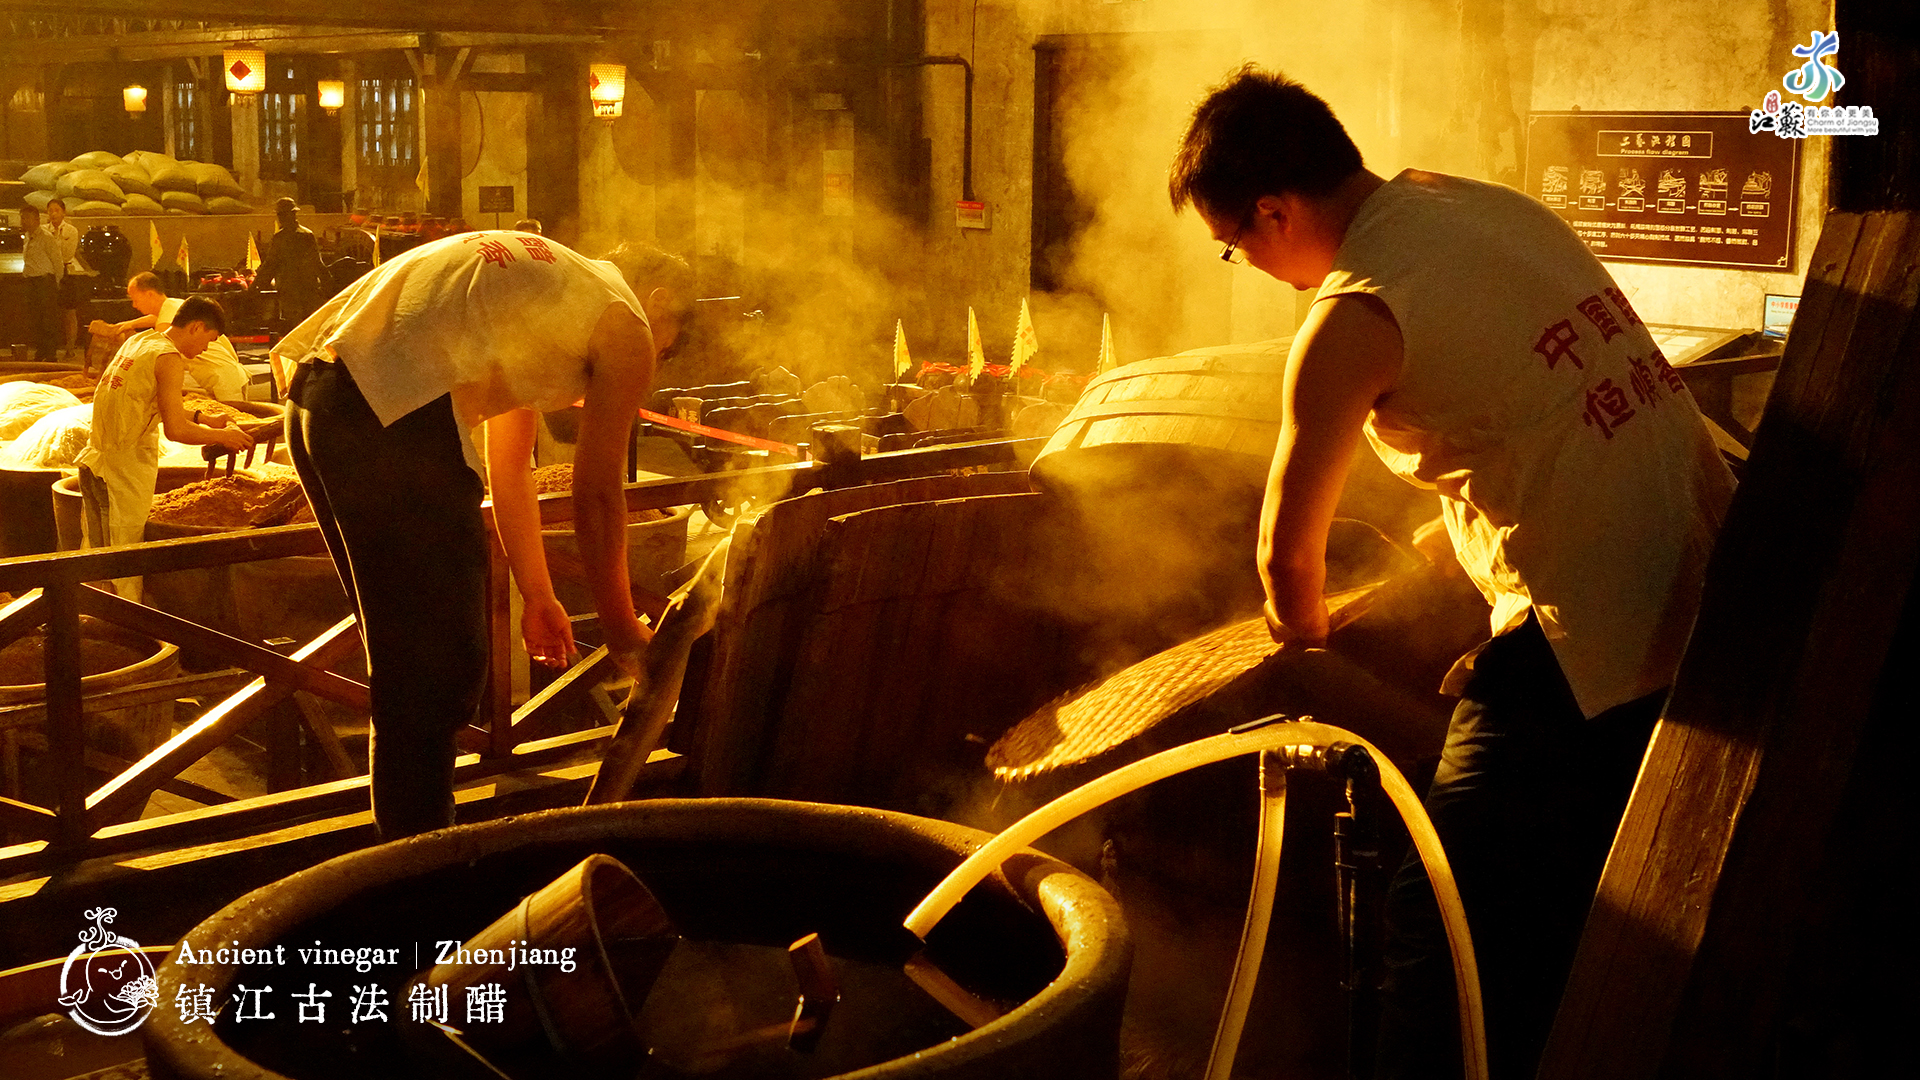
[
  {"x": 135, "y": 99},
  {"x": 246, "y": 70},
  {"x": 607, "y": 86},
  {"x": 333, "y": 94}
]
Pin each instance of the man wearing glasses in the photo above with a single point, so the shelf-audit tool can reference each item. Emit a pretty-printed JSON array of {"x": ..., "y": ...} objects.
[
  {"x": 401, "y": 386},
  {"x": 1483, "y": 351}
]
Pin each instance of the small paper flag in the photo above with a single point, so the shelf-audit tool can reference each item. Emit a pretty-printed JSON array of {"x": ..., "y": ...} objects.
[
  {"x": 155, "y": 250},
  {"x": 1025, "y": 342},
  {"x": 186, "y": 264},
  {"x": 1106, "y": 344},
  {"x": 902, "y": 363},
  {"x": 976, "y": 356},
  {"x": 253, "y": 253}
]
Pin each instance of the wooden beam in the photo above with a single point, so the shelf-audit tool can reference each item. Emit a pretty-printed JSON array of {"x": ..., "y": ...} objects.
[
  {"x": 23, "y": 817},
  {"x": 280, "y": 808},
  {"x": 531, "y": 720},
  {"x": 24, "y": 614},
  {"x": 539, "y": 16},
  {"x": 1681, "y": 964},
  {"x": 66, "y": 732},
  {"x": 17, "y": 575},
  {"x": 289, "y": 670}
]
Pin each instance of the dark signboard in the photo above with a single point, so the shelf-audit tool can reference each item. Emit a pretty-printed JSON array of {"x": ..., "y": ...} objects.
[
  {"x": 496, "y": 200},
  {"x": 1697, "y": 189}
]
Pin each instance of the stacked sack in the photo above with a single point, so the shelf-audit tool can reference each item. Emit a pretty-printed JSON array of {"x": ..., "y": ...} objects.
[{"x": 98, "y": 184}]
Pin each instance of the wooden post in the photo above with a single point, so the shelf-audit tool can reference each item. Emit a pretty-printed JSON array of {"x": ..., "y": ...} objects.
[
  {"x": 1767, "y": 814},
  {"x": 66, "y": 733}
]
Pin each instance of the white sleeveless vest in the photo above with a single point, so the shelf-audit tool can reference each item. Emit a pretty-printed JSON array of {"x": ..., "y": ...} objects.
[{"x": 1580, "y": 480}]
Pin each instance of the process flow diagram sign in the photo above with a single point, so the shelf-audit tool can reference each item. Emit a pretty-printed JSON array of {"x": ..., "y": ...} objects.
[{"x": 1693, "y": 189}]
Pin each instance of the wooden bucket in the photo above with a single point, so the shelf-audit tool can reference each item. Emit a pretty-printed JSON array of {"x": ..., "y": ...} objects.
[
  {"x": 594, "y": 921},
  {"x": 27, "y": 525},
  {"x": 130, "y": 732}
]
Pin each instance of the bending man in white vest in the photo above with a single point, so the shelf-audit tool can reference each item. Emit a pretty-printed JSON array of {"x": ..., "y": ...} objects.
[
  {"x": 1483, "y": 351},
  {"x": 473, "y": 335}
]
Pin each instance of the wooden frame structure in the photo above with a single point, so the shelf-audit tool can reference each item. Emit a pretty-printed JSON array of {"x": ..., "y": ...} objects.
[{"x": 53, "y": 593}]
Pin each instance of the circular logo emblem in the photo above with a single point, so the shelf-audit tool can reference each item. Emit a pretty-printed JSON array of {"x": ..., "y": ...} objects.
[{"x": 107, "y": 982}]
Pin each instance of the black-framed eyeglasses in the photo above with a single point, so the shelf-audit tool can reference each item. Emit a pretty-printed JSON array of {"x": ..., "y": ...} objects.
[{"x": 1231, "y": 253}]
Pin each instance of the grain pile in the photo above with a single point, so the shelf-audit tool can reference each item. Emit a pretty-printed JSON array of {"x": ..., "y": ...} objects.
[
  {"x": 558, "y": 479},
  {"x": 233, "y": 502},
  {"x": 79, "y": 384},
  {"x": 207, "y": 407}
]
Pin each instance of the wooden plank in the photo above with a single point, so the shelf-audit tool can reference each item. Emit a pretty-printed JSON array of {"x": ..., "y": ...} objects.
[
  {"x": 158, "y": 624},
  {"x": 24, "y": 817},
  {"x": 536, "y": 717},
  {"x": 1704, "y": 892},
  {"x": 17, "y": 575},
  {"x": 66, "y": 718},
  {"x": 25, "y": 613},
  {"x": 328, "y": 740},
  {"x": 215, "y": 726},
  {"x": 280, "y": 808}
]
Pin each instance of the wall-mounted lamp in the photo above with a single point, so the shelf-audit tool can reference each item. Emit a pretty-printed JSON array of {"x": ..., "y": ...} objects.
[
  {"x": 246, "y": 70},
  {"x": 134, "y": 98},
  {"x": 607, "y": 86},
  {"x": 332, "y": 94}
]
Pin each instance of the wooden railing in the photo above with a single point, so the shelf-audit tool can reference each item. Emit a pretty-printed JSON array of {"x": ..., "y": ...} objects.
[{"x": 52, "y": 592}]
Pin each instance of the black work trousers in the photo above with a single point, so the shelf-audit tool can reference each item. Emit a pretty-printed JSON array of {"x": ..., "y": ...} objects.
[
  {"x": 43, "y": 315},
  {"x": 400, "y": 510},
  {"x": 1527, "y": 799}
]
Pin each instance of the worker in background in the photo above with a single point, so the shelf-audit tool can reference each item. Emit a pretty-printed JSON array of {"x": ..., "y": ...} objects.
[
  {"x": 401, "y": 386},
  {"x": 43, "y": 267},
  {"x": 292, "y": 263},
  {"x": 75, "y": 279},
  {"x": 139, "y": 396},
  {"x": 217, "y": 370},
  {"x": 528, "y": 224},
  {"x": 1483, "y": 351}
]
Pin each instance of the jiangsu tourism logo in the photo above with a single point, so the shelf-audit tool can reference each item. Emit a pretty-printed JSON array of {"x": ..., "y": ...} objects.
[
  {"x": 107, "y": 982},
  {"x": 1812, "y": 80}
]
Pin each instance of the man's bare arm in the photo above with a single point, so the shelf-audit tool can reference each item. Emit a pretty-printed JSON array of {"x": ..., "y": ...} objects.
[
  {"x": 1346, "y": 357},
  {"x": 622, "y": 357}
]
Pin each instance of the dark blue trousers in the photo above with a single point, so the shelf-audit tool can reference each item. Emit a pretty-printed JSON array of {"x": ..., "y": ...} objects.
[
  {"x": 1527, "y": 799},
  {"x": 400, "y": 510}
]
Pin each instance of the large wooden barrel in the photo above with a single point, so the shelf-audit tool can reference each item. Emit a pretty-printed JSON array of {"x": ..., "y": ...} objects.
[
  {"x": 1195, "y": 432},
  {"x": 1215, "y": 410}
]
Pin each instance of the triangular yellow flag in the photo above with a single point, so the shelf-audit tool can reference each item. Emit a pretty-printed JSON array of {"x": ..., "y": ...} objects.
[
  {"x": 902, "y": 363},
  {"x": 186, "y": 264},
  {"x": 976, "y": 356},
  {"x": 253, "y": 253},
  {"x": 1106, "y": 344},
  {"x": 155, "y": 250},
  {"x": 1025, "y": 342},
  {"x": 376, "y": 243}
]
